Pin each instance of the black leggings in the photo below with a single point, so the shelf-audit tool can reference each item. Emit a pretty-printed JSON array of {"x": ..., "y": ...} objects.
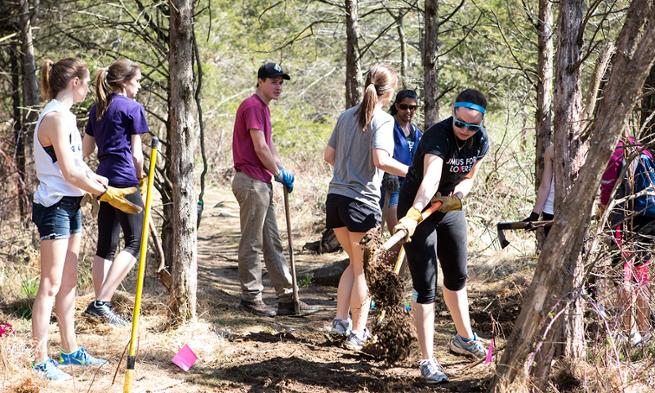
[
  {"x": 111, "y": 221},
  {"x": 547, "y": 217},
  {"x": 450, "y": 231}
]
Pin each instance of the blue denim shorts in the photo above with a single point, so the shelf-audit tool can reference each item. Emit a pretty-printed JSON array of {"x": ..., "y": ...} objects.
[
  {"x": 393, "y": 198},
  {"x": 58, "y": 221}
]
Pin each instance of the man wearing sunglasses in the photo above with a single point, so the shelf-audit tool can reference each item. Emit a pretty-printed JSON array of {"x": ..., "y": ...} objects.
[{"x": 444, "y": 167}]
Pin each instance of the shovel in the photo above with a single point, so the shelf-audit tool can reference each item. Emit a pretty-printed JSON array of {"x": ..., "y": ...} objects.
[
  {"x": 296, "y": 304},
  {"x": 401, "y": 234}
]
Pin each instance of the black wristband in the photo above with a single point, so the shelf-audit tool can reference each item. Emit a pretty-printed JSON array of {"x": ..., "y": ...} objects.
[{"x": 533, "y": 216}]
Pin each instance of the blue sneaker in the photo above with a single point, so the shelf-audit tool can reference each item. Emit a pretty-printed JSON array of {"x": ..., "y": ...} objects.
[
  {"x": 471, "y": 347},
  {"x": 50, "y": 370},
  {"x": 80, "y": 358}
]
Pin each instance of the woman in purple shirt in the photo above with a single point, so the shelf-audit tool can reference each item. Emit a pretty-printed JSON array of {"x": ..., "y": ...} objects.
[{"x": 116, "y": 122}]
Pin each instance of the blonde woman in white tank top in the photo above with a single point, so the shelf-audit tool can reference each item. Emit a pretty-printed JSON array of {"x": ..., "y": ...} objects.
[{"x": 63, "y": 179}]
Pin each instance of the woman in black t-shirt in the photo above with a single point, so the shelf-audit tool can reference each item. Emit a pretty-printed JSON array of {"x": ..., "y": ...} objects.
[{"x": 443, "y": 169}]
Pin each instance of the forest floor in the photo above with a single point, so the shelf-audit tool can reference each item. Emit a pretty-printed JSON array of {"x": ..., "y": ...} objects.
[{"x": 240, "y": 352}]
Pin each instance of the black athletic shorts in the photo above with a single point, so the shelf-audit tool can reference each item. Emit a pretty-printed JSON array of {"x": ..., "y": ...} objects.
[{"x": 342, "y": 211}]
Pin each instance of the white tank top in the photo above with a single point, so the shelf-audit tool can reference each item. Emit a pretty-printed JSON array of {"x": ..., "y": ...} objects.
[
  {"x": 52, "y": 186},
  {"x": 549, "y": 205}
]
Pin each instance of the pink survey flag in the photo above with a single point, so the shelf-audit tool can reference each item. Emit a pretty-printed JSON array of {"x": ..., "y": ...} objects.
[
  {"x": 490, "y": 351},
  {"x": 185, "y": 358}
]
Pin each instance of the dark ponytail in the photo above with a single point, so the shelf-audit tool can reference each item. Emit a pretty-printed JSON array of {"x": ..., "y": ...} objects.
[
  {"x": 111, "y": 79},
  {"x": 379, "y": 80}
]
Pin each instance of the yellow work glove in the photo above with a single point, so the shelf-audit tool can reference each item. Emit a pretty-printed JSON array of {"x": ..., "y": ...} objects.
[
  {"x": 409, "y": 223},
  {"x": 116, "y": 197},
  {"x": 448, "y": 203},
  {"x": 143, "y": 188}
]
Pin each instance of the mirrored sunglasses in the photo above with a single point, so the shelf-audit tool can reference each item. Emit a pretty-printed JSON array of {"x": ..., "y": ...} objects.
[{"x": 462, "y": 124}]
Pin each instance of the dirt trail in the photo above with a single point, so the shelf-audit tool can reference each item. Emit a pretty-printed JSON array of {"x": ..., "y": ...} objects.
[{"x": 240, "y": 352}]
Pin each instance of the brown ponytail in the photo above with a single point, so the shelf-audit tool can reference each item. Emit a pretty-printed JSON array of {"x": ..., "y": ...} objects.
[
  {"x": 379, "y": 80},
  {"x": 45, "y": 79},
  {"x": 111, "y": 79},
  {"x": 55, "y": 76}
]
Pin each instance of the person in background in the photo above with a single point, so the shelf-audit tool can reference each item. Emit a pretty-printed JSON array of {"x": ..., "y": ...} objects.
[
  {"x": 406, "y": 136},
  {"x": 360, "y": 150},
  {"x": 63, "y": 179},
  {"x": 632, "y": 226},
  {"x": 544, "y": 206},
  {"x": 256, "y": 163},
  {"x": 444, "y": 169},
  {"x": 116, "y": 123}
]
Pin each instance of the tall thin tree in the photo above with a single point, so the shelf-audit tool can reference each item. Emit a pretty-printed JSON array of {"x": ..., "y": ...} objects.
[
  {"x": 353, "y": 63},
  {"x": 183, "y": 140},
  {"x": 429, "y": 59}
]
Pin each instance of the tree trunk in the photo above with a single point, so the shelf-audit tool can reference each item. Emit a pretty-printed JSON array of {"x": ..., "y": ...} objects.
[
  {"x": 549, "y": 294},
  {"x": 30, "y": 96},
  {"x": 403, "y": 51},
  {"x": 543, "y": 115},
  {"x": 353, "y": 65},
  {"x": 429, "y": 59},
  {"x": 569, "y": 153},
  {"x": 183, "y": 142},
  {"x": 19, "y": 136}
]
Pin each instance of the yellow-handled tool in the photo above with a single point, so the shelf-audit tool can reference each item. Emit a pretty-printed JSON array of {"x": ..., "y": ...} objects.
[{"x": 131, "y": 356}]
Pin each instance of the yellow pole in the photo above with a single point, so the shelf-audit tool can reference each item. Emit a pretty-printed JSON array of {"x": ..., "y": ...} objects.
[{"x": 131, "y": 356}]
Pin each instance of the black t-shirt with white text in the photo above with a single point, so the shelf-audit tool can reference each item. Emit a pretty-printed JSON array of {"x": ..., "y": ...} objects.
[{"x": 458, "y": 156}]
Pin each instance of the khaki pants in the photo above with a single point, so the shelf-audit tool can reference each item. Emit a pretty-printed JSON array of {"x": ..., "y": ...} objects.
[{"x": 259, "y": 228}]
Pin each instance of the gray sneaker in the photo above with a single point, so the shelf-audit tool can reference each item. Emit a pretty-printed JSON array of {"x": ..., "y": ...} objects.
[
  {"x": 474, "y": 347},
  {"x": 432, "y": 371},
  {"x": 104, "y": 312},
  {"x": 341, "y": 328},
  {"x": 356, "y": 341}
]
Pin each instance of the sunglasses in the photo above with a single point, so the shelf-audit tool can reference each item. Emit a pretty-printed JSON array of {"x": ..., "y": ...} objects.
[
  {"x": 407, "y": 107},
  {"x": 470, "y": 127}
]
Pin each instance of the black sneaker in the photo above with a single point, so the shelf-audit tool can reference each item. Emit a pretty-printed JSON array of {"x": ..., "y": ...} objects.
[
  {"x": 258, "y": 308},
  {"x": 103, "y": 311},
  {"x": 288, "y": 308}
]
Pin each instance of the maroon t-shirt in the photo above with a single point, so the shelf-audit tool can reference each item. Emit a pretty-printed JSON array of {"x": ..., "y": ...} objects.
[{"x": 253, "y": 113}]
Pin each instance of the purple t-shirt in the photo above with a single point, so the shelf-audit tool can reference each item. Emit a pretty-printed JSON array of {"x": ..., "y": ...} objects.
[
  {"x": 113, "y": 133},
  {"x": 253, "y": 113}
]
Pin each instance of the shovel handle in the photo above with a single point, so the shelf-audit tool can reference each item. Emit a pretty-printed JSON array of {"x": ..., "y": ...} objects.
[
  {"x": 296, "y": 302},
  {"x": 400, "y": 235}
]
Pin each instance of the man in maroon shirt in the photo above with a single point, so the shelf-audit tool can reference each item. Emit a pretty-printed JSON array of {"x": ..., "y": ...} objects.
[{"x": 256, "y": 163}]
